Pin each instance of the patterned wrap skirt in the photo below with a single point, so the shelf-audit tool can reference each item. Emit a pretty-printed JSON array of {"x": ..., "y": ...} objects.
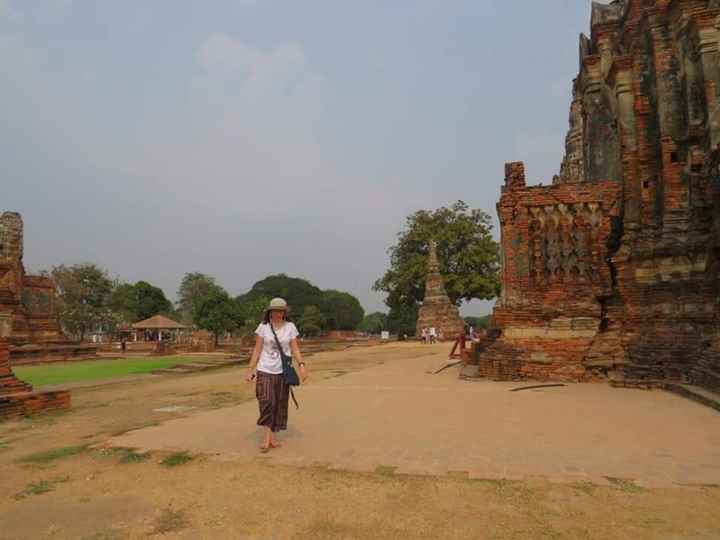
[{"x": 272, "y": 394}]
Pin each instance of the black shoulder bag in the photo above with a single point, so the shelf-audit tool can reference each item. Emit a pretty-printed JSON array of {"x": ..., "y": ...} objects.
[{"x": 289, "y": 373}]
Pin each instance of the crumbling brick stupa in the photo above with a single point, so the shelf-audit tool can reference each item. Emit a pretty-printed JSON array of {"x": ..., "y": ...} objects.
[
  {"x": 29, "y": 304},
  {"x": 614, "y": 269},
  {"x": 437, "y": 311}
]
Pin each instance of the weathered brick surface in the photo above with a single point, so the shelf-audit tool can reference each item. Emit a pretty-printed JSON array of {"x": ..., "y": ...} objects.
[
  {"x": 615, "y": 268},
  {"x": 29, "y": 303},
  {"x": 437, "y": 310},
  {"x": 17, "y": 397}
]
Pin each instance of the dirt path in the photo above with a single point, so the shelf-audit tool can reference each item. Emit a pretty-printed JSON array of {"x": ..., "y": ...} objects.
[{"x": 368, "y": 416}]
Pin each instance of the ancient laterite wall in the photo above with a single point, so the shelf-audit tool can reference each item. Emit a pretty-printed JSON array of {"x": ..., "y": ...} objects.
[
  {"x": 645, "y": 118},
  {"x": 555, "y": 241},
  {"x": 29, "y": 299},
  {"x": 17, "y": 398}
]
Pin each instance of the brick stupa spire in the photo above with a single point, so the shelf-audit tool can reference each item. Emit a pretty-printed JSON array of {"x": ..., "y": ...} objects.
[{"x": 437, "y": 311}]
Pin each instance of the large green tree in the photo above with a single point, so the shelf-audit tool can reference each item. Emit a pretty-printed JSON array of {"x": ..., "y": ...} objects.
[
  {"x": 193, "y": 288},
  {"x": 402, "y": 319},
  {"x": 84, "y": 292},
  {"x": 311, "y": 322},
  {"x": 251, "y": 312},
  {"x": 217, "y": 313},
  {"x": 339, "y": 310},
  {"x": 374, "y": 323},
  {"x": 469, "y": 259},
  {"x": 140, "y": 301},
  {"x": 298, "y": 292},
  {"x": 342, "y": 311}
]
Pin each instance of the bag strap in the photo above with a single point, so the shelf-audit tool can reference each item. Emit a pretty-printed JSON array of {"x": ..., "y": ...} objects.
[
  {"x": 292, "y": 393},
  {"x": 278, "y": 342}
]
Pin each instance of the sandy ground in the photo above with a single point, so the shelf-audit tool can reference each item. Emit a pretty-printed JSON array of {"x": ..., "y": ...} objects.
[{"x": 379, "y": 449}]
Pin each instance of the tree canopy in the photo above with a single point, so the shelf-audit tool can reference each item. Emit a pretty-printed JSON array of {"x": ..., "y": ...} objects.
[
  {"x": 342, "y": 311},
  {"x": 216, "y": 312},
  {"x": 479, "y": 322},
  {"x": 338, "y": 310},
  {"x": 84, "y": 292},
  {"x": 468, "y": 254},
  {"x": 374, "y": 323},
  {"x": 140, "y": 301},
  {"x": 193, "y": 288},
  {"x": 311, "y": 322}
]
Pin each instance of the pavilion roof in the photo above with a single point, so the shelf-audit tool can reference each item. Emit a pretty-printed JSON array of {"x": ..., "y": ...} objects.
[{"x": 158, "y": 322}]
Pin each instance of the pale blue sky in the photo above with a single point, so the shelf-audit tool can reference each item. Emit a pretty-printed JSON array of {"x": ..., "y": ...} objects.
[{"x": 247, "y": 137}]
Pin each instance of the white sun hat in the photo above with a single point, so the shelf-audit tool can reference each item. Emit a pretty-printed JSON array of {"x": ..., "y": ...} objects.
[{"x": 277, "y": 304}]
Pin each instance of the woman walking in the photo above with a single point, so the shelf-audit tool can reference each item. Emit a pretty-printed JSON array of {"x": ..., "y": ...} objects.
[{"x": 271, "y": 391}]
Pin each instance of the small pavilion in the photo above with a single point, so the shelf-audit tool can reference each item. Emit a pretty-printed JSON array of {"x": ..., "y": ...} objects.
[{"x": 157, "y": 327}]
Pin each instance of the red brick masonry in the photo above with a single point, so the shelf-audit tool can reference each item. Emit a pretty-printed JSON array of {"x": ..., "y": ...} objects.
[
  {"x": 17, "y": 397},
  {"x": 614, "y": 269}
]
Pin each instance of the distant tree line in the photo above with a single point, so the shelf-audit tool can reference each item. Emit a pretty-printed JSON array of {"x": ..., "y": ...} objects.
[{"x": 89, "y": 301}]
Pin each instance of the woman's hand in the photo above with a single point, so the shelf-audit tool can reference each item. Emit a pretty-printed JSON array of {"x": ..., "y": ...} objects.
[
  {"x": 250, "y": 376},
  {"x": 303, "y": 373}
]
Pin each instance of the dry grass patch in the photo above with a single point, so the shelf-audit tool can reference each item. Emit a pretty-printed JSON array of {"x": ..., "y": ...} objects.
[
  {"x": 171, "y": 521},
  {"x": 106, "y": 534},
  {"x": 38, "y": 488},
  {"x": 176, "y": 459},
  {"x": 623, "y": 484},
  {"x": 48, "y": 456}
]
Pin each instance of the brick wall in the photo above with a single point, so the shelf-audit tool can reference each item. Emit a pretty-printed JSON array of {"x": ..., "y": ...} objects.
[{"x": 642, "y": 166}]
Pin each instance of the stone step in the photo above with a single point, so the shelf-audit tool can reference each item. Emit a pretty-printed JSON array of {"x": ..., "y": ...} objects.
[{"x": 696, "y": 393}]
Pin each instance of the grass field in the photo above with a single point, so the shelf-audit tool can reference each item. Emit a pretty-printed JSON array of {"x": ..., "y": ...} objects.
[{"x": 67, "y": 372}]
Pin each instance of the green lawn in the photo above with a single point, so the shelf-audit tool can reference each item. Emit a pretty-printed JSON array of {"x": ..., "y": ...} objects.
[{"x": 66, "y": 372}]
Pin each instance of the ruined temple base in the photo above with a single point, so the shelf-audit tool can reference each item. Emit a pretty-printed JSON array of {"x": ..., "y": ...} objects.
[
  {"x": 51, "y": 352},
  {"x": 532, "y": 359},
  {"x": 17, "y": 397},
  {"x": 30, "y": 403}
]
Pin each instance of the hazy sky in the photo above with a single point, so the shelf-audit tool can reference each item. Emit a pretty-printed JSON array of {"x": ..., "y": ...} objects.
[{"x": 243, "y": 138}]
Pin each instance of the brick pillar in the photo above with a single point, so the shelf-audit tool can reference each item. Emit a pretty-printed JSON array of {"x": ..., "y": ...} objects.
[
  {"x": 515, "y": 175},
  {"x": 5, "y": 370},
  {"x": 9, "y": 384}
]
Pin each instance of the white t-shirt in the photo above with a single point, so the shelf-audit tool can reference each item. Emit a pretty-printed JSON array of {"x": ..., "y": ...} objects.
[{"x": 270, "y": 361}]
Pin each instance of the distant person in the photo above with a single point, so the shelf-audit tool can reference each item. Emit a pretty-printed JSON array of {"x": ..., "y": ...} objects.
[
  {"x": 270, "y": 389},
  {"x": 433, "y": 334},
  {"x": 123, "y": 345},
  {"x": 424, "y": 336}
]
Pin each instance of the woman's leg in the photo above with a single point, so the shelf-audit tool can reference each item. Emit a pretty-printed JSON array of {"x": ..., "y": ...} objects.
[
  {"x": 282, "y": 393},
  {"x": 264, "y": 394},
  {"x": 268, "y": 443}
]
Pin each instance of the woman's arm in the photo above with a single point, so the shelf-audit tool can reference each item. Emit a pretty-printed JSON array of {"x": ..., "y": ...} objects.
[
  {"x": 255, "y": 357},
  {"x": 297, "y": 355}
]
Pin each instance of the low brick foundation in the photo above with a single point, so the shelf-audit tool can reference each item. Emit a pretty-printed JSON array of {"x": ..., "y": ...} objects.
[
  {"x": 17, "y": 397},
  {"x": 30, "y": 403}
]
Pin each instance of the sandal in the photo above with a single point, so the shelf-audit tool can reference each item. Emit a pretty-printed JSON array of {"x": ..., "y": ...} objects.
[{"x": 264, "y": 449}]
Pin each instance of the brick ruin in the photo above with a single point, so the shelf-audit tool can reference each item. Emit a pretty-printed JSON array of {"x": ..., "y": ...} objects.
[
  {"x": 437, "y": 311},
  {"x": 614, "y": 269},
  {"x": 29, "y": 303},
  {"x": 17, "y": 397}
]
